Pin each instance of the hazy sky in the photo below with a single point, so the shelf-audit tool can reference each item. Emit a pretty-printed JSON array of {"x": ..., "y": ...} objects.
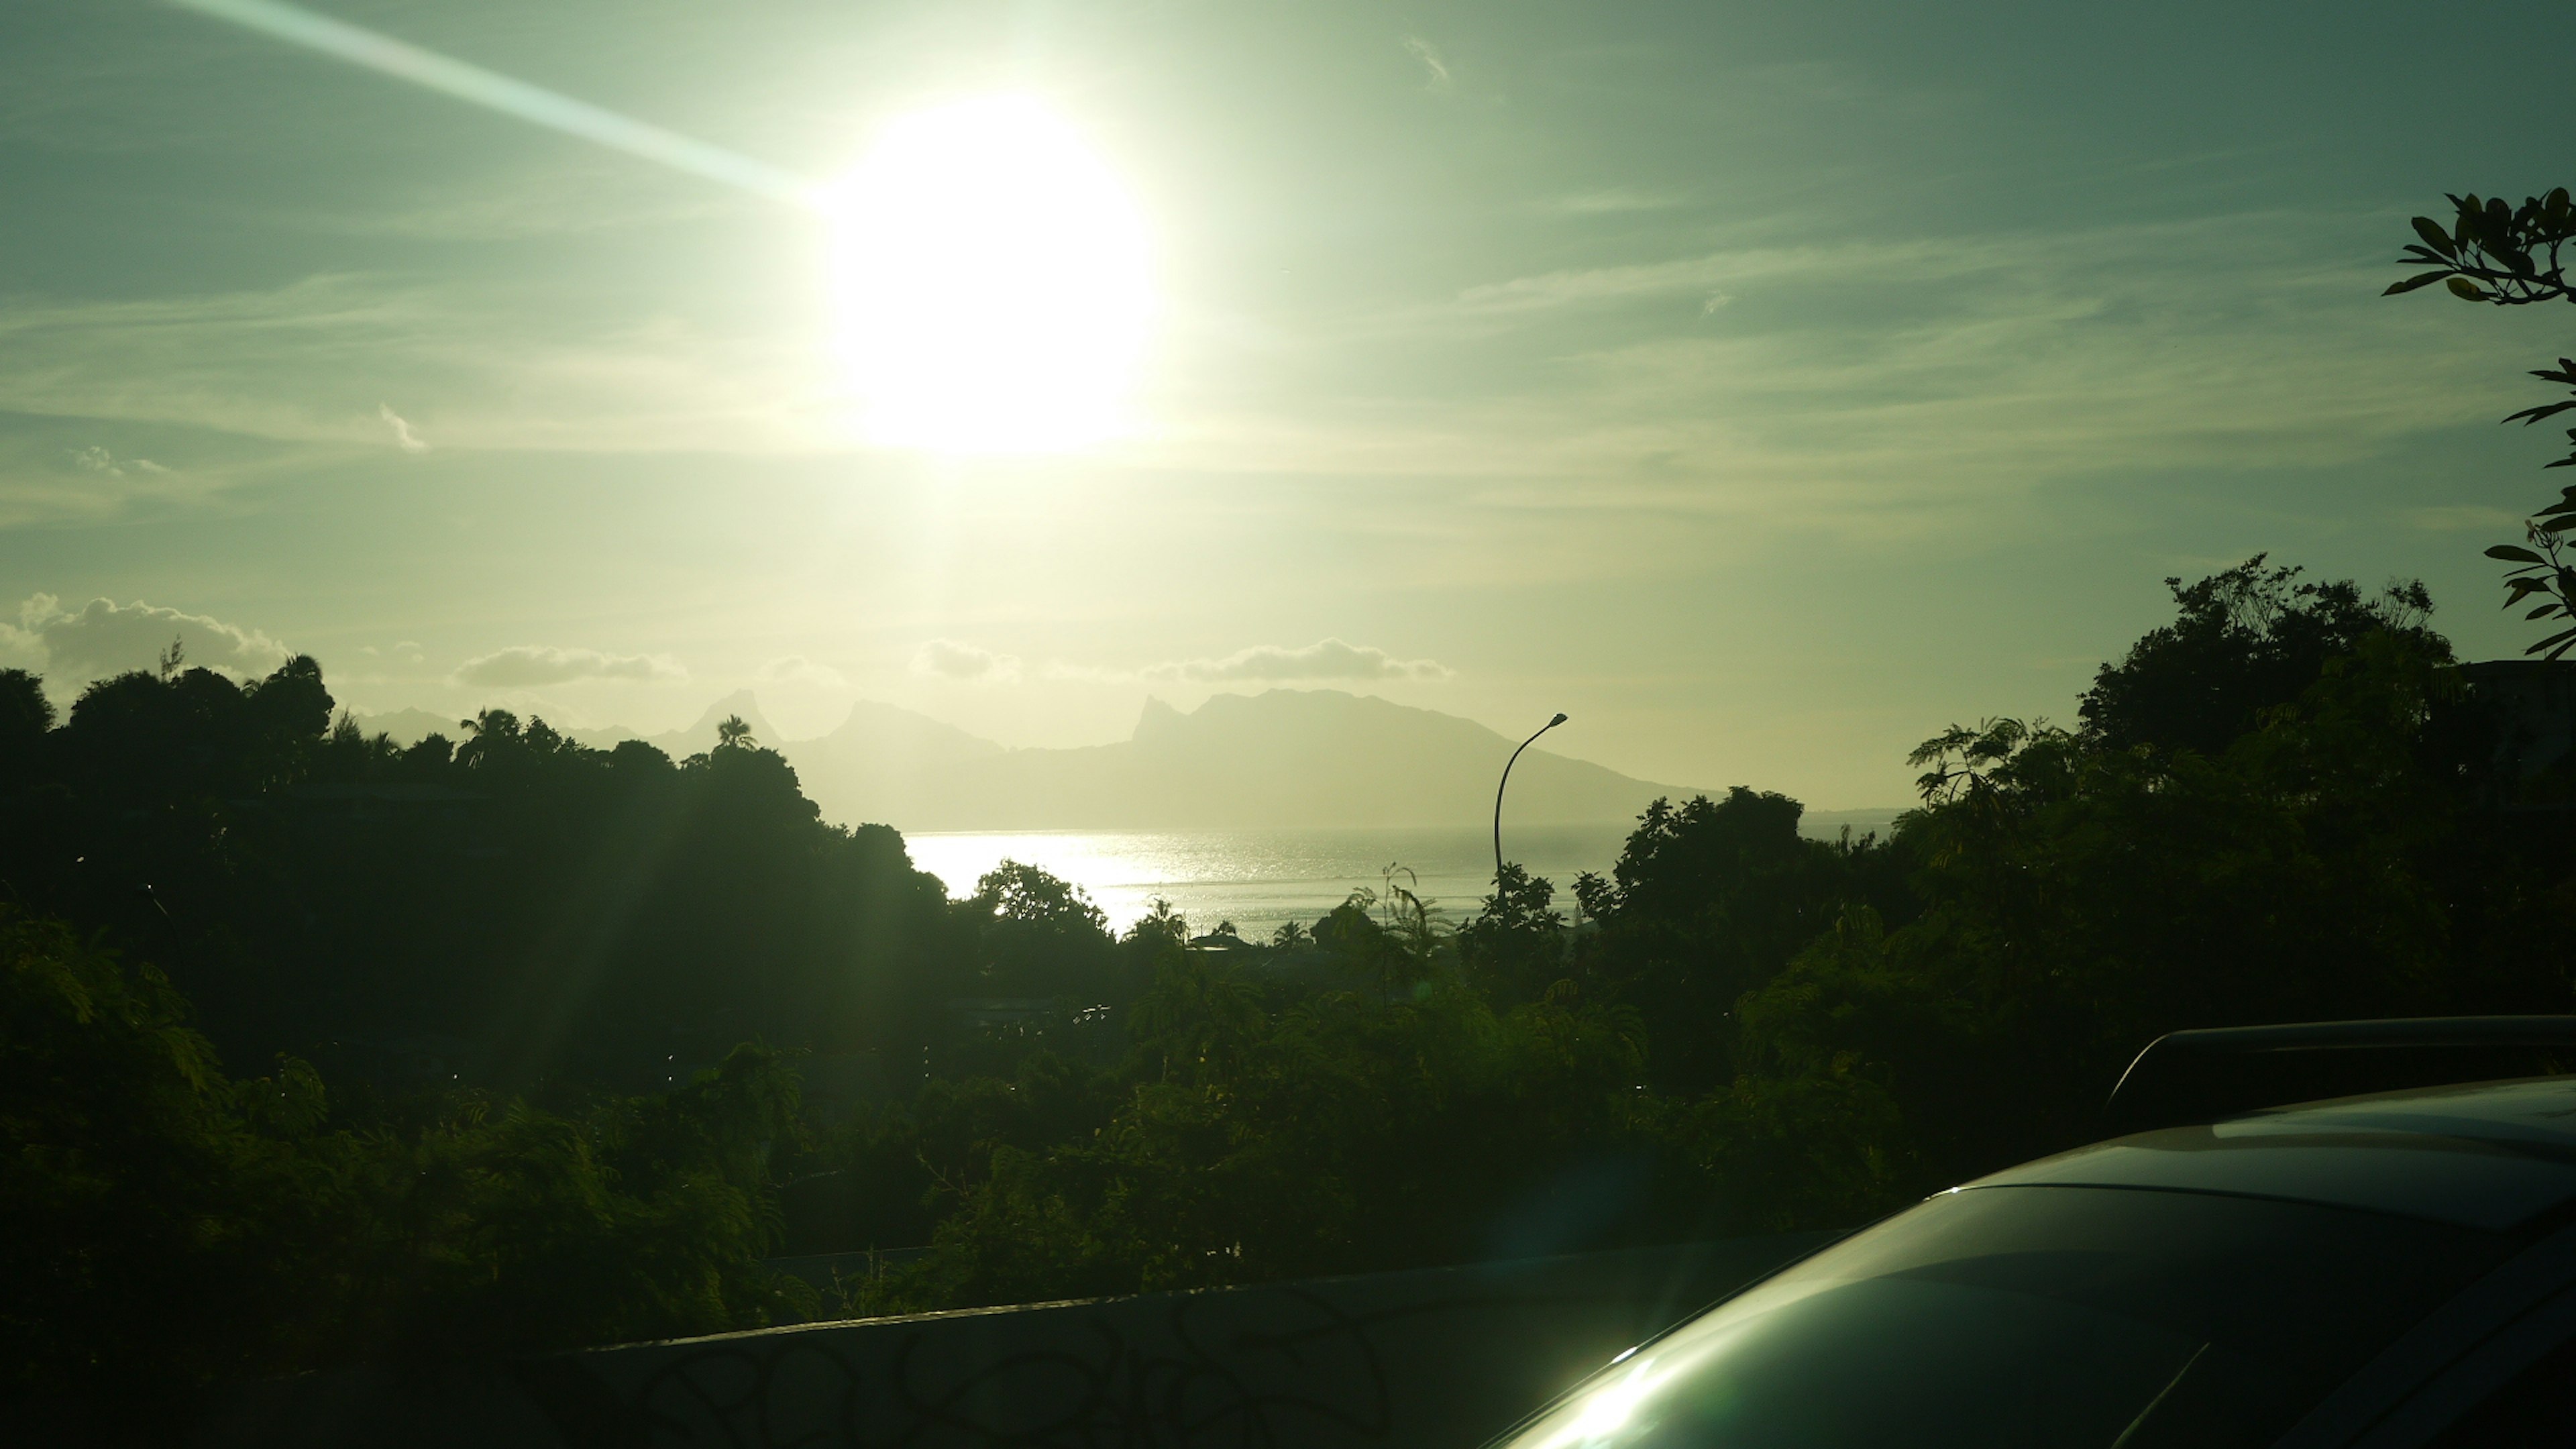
[{"x": 1766, "y": 386}]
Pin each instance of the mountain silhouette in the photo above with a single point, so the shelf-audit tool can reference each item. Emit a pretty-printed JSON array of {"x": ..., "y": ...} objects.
[
  {"x": 411, "y": 726},
  {"x": 700, "y": 737},
  {"x": 1281, "y": 758}
]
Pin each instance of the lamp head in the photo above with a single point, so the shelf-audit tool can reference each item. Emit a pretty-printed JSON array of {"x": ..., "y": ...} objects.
[{"x": 1560, "y": 719}]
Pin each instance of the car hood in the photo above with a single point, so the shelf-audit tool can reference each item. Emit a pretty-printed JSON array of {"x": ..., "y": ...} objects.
[{"x": 2491, "y": 1155}]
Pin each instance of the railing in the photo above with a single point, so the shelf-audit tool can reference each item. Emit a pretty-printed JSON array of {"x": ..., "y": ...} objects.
[{"x": 1434, "y": 1359}]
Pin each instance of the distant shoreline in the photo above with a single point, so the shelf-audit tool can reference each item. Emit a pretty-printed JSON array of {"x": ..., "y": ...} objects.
[{"x": 1259, "y": 878}]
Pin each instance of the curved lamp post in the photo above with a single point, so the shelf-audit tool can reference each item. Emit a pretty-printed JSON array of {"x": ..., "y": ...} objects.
[{"x": 1498, "y": 796}]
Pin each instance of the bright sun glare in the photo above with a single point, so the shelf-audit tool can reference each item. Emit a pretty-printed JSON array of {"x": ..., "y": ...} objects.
[{"x": 993, "y": 282}]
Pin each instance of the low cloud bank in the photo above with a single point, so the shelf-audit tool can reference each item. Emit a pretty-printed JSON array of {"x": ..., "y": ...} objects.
[
  {"x": 948, "y": 659},
  {"x": 104, "y": 637},
  {"x": 797, "y": 669},
  {"x": 524, "y": 666}
]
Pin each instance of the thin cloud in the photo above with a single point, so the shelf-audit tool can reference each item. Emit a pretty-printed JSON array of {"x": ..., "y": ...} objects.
[
  {"x": 104, "y": 637},
  {"x": 2464, "y": 518},
  {"x": 797, "y": 669},
  {"x": 99, "y": 460},
  {"x": 1423, "y": 51},
  {"x": 404, "y": 437},
  {"x": 1615, "y": 200},
  {"x": 526, "y": 665},
  {"x": 2012, "y": 359},
  {"x": 1323, "y": 659},
  {"x": 284, "y": 365},
  {"x": 949, "y": 659}
]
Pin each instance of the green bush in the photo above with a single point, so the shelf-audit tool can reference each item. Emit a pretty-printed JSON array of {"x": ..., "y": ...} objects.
[{"x": 162, "y": 1225}]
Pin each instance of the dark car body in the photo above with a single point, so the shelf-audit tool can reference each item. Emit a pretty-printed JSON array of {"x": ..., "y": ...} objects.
[{"x": 2389, "y": 1271}]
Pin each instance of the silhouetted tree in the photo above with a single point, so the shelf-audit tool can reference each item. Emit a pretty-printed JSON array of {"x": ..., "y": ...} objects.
[
  {"x": 2335, "y": 859},
  {"x": 25, "y": 715},
  {"x": 2247, "y": 639},
  {"x": 1042, "y": 936},
  {"x": 520, "y": 908},
  {"x": 1516, "y": 943},
  {"x": 1708, "y": 900}
]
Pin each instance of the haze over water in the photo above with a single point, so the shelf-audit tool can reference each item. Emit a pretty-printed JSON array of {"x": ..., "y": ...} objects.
[{"x": 1259, "y": 878}]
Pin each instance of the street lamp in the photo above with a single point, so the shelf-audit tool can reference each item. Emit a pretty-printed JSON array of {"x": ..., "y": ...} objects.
[{"x": 1498, "y": 796}]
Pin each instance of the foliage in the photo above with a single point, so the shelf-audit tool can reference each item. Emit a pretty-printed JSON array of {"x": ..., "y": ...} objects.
[
  {"x": 2080, "y": 899},
  {"x": 1516, "y": 945},
  {"x": 1708, "y": 900},
  {"x": 1043, "y": 937},
  {"x": 2548, "y": 573},
  {"x": 2494, "y": 251},
  {"x": 2279, "y": 805},
  {"x": 131, "y": 1175},
  {"x": 2511, "y": 257},
  {"x": 166, "y": 1225},
  {"x": 516, "y": 907},
  {"x": 2247, "y": 639},
  {"x": 1343, "y": 1133},
  {"x": 885, "y": 1178}
]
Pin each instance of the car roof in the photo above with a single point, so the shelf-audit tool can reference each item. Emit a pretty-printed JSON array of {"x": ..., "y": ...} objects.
[{"x": 2490, "y": 1155}]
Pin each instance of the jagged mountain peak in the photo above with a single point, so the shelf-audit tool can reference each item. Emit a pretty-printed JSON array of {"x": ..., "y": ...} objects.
[
  {"x": 1281, "y": 757},
  {"x": 740, "y": 703},
  {"x": 1158, "y": 719}
]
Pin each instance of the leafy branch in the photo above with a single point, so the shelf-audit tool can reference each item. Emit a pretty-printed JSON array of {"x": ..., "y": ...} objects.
[
  {"x": 2545, "y": 569},
  {"x": 2492, "y": 252},
  {"x": 2508, "y": 257},
  {"x": 2511, "y": 257}
]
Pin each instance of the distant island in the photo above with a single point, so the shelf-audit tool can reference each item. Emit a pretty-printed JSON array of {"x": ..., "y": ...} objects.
[{"x": 1281, "y": 759}]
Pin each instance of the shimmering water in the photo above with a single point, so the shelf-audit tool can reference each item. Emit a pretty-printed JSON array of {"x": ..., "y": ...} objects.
[{"x": 1259, "y": 878}]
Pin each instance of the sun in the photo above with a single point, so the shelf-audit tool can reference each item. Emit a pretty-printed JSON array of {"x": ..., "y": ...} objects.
[{"x": 992, "y": 282}]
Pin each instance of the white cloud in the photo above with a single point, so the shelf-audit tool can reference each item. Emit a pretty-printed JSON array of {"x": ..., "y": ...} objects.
[
  {"x": 21, "y": 646},
  {"x": 797, "y": 669},
  {"x": 948, "y": 659},
  {"x": 1423, "y": 51},
  {"x": 526, "y": 665},
  {"x": 1324, "y": 659},
  {"x": 95, "y": 459},
  {"x": 104, "y": 637},
  {"x": 404, "y": 437},
  {"x": 1923, "y": 377}
]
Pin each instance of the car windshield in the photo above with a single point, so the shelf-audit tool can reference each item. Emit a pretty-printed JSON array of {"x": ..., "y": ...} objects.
[{"x": 2037, "y": 1316}]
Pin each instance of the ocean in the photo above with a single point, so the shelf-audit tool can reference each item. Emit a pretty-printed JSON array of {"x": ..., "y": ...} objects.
[{"x": 1260, "y": 878}]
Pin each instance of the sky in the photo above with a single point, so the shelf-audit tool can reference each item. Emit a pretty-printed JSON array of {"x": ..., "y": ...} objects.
[{"x": 1766, "y": 386}]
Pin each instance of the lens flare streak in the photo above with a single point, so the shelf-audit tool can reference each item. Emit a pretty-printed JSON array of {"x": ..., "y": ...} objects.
[{"x": 494, "y": 91}]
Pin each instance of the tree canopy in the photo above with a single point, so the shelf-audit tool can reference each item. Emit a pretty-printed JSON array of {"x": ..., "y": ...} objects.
[{"x": 533, "y": 1015}]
